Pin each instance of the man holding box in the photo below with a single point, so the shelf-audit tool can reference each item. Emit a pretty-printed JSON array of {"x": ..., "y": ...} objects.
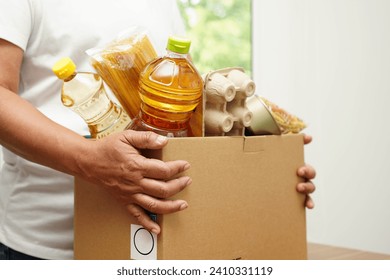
[{"x": 43, "y": 146}]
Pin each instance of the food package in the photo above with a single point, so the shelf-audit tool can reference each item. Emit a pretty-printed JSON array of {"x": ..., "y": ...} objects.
[
  {"x": 288, "y": 123},
  {"x": 120, "y": 62}
]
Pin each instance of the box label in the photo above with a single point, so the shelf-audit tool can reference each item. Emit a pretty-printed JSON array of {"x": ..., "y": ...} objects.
[{"x": 143, "y": 243}]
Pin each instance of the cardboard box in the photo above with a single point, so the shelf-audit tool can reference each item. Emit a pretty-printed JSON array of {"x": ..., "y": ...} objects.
[{"x": 243, "y": 204}]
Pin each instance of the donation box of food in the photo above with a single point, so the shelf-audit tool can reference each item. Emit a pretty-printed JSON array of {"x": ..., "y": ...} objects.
[{"x": 243, "y": 204}]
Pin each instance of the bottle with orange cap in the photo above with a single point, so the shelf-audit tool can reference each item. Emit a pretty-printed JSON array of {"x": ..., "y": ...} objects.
[{"x": 84, "y": 93}]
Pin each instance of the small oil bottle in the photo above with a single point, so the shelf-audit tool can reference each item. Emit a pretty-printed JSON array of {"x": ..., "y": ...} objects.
[
  {"x": 170, "y": 88},
  {"x": 84, "y": 93}
]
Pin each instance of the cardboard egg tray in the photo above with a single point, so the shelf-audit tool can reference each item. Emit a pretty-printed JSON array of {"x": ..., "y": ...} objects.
[{"x": 225, "y": 94}]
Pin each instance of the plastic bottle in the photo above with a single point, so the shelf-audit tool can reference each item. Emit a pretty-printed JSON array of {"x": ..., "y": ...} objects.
[
  {"x": 170, "y": 88},
  {"x": 84, "y": 93}
]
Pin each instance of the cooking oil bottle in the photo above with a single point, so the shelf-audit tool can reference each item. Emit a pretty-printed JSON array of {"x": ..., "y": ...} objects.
[
  {"x": 84, "y": 93},
  {"x": 170, "y": 88}
]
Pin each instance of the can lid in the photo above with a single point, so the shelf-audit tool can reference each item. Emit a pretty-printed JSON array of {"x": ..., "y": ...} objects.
[
  {"x": 179, "y": 44},
  {"x": 64, "y": 68}
]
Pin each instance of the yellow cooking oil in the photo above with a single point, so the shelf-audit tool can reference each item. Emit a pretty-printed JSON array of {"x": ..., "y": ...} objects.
[
  {"x": 170, "y": 89},
  {"x": 84, "y": 93}
]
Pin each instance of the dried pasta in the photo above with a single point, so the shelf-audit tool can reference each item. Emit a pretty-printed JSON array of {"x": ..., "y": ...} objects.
[
  {"x": 120, "y": 64},
  {"x": 287, "y": 123}
]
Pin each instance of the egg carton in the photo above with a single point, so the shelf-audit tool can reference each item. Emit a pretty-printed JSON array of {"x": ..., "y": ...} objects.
[{"x": 225, "y": 94}]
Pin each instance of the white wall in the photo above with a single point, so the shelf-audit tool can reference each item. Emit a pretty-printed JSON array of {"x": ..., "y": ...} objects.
[{"x": 328, "y": 61}]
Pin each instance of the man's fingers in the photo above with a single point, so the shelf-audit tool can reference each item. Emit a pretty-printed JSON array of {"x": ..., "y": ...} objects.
[
  {"x": 142, "y": 218},
  {"x": 306, "y": 187},
  {"x": 159, "y": 206},
  {"x": 309, "y": 203},
  {"x": 145, "y": 139},
  {"x": 153, "y": 168},
  {"x": 307, "y": 139},
  {"x": 164, "y": 189},
  {"x": 157, "y": 169},
  {"x": 154, "y": 206},
  {"x": 307, "y": 172}
]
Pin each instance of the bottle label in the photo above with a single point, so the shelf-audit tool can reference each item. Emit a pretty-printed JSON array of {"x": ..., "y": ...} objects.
[{"x": 120, "y": 125}]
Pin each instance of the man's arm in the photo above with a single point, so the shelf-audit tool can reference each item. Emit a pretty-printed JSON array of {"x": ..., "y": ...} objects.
[{"x": 113, "y": 162}]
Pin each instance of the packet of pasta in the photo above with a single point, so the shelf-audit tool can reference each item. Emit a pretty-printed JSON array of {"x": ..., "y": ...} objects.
[
  {"x": 287, "y": 122},
  {"x": 119, "y": 64}
]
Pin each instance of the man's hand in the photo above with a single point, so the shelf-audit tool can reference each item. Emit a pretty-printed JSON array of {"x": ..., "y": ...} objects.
[
  {"x": 308, "y": 173},
  {"x": 139, "y": 183}
]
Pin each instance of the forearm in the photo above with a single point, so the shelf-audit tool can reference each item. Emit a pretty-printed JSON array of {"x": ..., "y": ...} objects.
[{"x": 30, "y": 134}]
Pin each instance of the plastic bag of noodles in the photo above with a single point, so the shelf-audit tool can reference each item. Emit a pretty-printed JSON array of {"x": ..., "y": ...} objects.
[
  {"x": 287, "y": 122},
  {"x": 120, "y": 62}
]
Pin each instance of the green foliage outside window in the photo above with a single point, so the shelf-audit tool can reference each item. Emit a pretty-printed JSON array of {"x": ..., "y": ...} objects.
[{"x": 220, "y": 31}]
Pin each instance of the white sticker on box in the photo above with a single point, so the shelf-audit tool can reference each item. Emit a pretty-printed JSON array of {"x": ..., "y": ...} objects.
[{"x": 143, "y": 243}]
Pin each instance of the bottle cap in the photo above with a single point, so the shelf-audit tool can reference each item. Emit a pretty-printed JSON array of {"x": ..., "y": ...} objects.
[
  {"x": 179, "y": 44},
  {"x": 64, "y": 68}
]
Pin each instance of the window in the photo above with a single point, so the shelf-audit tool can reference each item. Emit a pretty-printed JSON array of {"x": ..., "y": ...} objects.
[{"x": 220, "y": 31}]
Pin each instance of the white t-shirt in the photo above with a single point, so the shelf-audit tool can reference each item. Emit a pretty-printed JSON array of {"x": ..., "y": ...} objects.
[{"x": 36, "y": 203}]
